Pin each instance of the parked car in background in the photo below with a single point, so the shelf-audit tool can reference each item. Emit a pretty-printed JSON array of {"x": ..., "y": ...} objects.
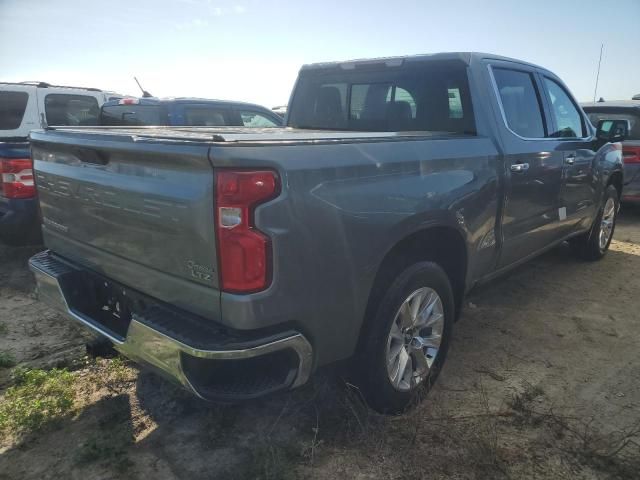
[
  {"x": 636, "y": 97},
  {"x": 23, "y": 107},
  {"x": 186, "y": 112},
  {"x": 238, "y": 261},
  {"x": 628, "y": 110}
]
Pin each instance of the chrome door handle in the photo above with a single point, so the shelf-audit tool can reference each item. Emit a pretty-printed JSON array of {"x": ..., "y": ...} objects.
[
  {"x": 519, "y": 167},
  {"x": 570, "y": 160}
]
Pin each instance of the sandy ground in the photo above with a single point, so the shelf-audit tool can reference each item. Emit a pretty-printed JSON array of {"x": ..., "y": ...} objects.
[{"x": 542, "y": 381}]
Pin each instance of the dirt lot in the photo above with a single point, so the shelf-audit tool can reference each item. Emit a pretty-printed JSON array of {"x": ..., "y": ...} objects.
[{"x": 542, "y": 381}]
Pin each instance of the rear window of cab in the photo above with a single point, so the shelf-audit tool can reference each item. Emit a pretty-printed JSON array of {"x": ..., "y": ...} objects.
[{"x": 431, "y": 96}]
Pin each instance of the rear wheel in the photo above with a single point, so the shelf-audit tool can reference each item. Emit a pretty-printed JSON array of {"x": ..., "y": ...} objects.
[
  {"x": 594, "y": 244},
  {"x": 407, "y": 340}
]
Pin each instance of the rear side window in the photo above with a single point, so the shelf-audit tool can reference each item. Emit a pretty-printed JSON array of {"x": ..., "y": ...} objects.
[
  {"x": 133, "y": 115},
  {"x": 12, "y": 108},
  {"x": 205, "y": 117},
  {"x": 71, "y": 110},
  {"x": 257, "y": 120},
  {"x": 431, "y": 96},
  {"x": 520, "y": 102},
  {"x": 568, "y": 121}
]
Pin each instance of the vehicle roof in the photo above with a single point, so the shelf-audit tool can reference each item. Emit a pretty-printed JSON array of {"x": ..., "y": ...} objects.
[
  {"x": 49, "y": 85},
  {"x": 466, "y": 57},
  {"x": 632, "y": 104},
  {"x": 184, "y": 100}
]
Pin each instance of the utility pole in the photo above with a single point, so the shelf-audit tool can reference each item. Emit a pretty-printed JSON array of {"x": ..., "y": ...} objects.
[{"x": 595, "y": 90}]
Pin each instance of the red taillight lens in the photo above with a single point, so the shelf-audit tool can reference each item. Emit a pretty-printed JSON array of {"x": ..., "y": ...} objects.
[
  {"x": 630, "y": 155},
  {"x": 16, "y": 178},
  {"x": 244, "y": 252}
]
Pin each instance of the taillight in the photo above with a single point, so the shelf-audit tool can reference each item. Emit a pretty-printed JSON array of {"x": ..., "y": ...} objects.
[
  {"x": 244, "y": 252},
  {"x": 16, "y": 178},
  {"x": 128, "y": 101},
  {"x": 630, "y": 155}
]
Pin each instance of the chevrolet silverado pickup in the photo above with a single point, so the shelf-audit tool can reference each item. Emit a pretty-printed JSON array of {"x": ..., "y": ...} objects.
[{"x": 238, "y": 261}]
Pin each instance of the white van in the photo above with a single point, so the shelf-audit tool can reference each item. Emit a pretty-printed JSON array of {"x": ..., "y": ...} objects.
[{"x": 29, "y": 105}]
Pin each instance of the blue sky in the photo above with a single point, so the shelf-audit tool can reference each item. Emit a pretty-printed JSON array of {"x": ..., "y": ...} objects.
[{"x": 251, "y": 50}]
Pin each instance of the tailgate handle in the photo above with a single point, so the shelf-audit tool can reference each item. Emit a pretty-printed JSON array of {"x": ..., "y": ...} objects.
[{"x": 88, "y": 155}]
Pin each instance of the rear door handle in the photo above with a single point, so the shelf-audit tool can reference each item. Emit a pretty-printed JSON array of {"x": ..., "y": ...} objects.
[
  {"x": 519, "y": 167},
  {"x": 570, "y": 159}
]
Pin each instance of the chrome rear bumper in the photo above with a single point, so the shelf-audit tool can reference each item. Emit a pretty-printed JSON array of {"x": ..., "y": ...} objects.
[{"x": 155, "y": 348}]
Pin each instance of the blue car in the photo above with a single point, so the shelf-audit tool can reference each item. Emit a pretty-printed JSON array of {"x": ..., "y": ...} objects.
[
  {"x": 18, "y": 203},
  {"x": 186, "y": 112}
]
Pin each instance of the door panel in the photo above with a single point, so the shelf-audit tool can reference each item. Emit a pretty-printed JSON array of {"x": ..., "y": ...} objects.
[
  {"x": 530, "y": 219},
  {"x": 573, "y": 135},
  {"x": 577, "y": 194},
  {"x": 533, "y": 166}
]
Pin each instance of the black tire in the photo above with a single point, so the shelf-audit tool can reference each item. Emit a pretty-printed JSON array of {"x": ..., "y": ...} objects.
[
  {"x": 371, "y": 370},
  {"x": 588, "y": 246}
]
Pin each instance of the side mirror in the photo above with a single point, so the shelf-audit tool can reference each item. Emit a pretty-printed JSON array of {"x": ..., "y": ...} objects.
[{"x": 612, "y": 130}]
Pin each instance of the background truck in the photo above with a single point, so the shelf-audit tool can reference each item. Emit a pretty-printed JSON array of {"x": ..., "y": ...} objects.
[
  {"x": 23, "y": 107},
  {"x": 191, "y": 112},
  {"x": 238, "y": 261},
  {"x": 628, "y": 110}
]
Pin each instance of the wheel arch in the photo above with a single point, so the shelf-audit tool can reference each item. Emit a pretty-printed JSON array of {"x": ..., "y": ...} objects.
[{"x": 442, "y": 244}]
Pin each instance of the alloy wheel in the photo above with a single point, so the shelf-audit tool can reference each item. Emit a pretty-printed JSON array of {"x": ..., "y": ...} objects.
[{"x": 415, "y": 338}]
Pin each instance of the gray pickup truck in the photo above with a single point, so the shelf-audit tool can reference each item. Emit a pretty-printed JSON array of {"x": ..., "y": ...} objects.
[{"x": 238, "y": 261}]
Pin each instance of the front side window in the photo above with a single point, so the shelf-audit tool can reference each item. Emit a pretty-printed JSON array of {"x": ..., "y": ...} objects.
[
  {"x": 431, "y": 96},
  {"x": 566, "y": 115},
  {"x": 205, "y": 117},
  {"x": 71, "y": 110},
  {"x": 256, "y": 120},
  {"x": 12, "y": 108},
  {"x": 520, "y": 102}
]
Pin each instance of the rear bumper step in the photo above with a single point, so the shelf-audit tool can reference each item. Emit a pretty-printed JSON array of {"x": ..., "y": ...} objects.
[{"x": 209, "y": 361}]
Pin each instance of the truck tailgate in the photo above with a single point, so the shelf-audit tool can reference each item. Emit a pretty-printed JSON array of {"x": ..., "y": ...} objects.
[{"x": 138, "y": 211}]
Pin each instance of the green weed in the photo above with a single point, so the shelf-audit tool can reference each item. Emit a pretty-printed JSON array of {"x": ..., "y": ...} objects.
[
  {"x": 37, "y": 398},
  {"x": 7, "y": 360}
]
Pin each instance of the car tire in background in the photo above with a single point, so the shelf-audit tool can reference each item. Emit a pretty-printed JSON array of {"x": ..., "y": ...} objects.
[
  {"x": 405, "y": 344},
  {"x": 594, "y": 244}
]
